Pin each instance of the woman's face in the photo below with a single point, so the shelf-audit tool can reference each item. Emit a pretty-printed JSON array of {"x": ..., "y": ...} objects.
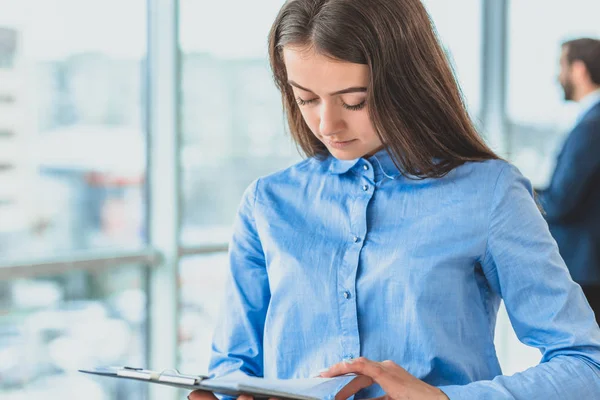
[{"x": 332, "y": 99}]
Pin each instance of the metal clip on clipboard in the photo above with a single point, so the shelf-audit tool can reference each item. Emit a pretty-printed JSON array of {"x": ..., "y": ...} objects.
[{"x": 166, "y": 376}]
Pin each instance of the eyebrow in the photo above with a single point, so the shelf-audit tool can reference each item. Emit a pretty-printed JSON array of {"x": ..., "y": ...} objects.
[{"x": 357, "y": 89}]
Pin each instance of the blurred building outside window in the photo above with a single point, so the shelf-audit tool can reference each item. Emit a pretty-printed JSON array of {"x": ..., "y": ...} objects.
[
  {"x": 52, "y": 326},
  {"x": 72, "y": 134},
  {"x": 72, "y": 176}
]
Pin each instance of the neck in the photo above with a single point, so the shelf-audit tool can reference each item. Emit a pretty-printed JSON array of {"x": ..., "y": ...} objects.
[{"x": 584, "y": 91}]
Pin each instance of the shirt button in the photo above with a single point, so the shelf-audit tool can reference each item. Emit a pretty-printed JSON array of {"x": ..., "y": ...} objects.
[
  {"x": 365, "y": 188},
  {"x": 349, "y": 357},
  {"x": 347, "y": 295},
  {"x": 356, "y": 239},
  {"x": 366, "y": 167}
]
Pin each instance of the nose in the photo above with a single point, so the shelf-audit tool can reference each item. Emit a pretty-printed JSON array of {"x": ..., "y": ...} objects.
[{"x": 331, "y": 121}]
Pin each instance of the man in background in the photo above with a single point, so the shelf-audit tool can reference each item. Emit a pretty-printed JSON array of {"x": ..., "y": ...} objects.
[{"x": 572, "y": 200}]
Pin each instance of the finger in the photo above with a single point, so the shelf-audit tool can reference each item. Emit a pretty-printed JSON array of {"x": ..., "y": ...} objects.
[
  {"x": 390, "y": 376},
  {"x": 201, "y": 395},
  {"x": 358, "y": 383},
  {"x": 394, "y": 378},
  {"x": 361, "y": 366}
]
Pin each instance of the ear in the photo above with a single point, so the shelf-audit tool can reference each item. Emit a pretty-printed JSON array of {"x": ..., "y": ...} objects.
[{"x": 579, "y": 71}]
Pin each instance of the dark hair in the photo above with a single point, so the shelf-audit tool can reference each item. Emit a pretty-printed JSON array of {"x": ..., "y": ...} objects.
[
  {"x": 586, "y": 50},
  {"x": 414, "y": 101}
]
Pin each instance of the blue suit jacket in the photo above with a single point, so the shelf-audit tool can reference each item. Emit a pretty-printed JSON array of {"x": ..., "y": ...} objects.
[{"x": 572, "y": 201}]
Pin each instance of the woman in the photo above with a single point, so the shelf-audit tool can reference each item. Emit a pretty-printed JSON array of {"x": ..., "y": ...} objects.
[{"x": 399, "y": 234}]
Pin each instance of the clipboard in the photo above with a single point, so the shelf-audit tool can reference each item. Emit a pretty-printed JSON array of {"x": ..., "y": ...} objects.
[{"x": 234, "y": 385}]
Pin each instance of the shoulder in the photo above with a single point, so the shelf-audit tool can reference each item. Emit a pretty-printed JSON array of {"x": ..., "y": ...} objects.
[
  {"x": 589, "y": 126},
  {"x": 491, "y": 179},
  {"x": 593, "y": 115},
  {"x": 294, "y": 176},
  {"x": 583, "y": 141},
  {"x": 484, "y": 173},
  {"x": 300, "y": 170}
]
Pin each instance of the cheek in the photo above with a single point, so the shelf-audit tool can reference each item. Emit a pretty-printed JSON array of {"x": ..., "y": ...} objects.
[
  {"x": 311, "y": 119},
  {"x": 363, "y": 126}
]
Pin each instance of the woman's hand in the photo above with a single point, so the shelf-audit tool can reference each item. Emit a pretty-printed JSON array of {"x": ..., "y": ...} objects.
[
  {"x": 395, "y": 381},
  {"x": 198, "y": 395}
]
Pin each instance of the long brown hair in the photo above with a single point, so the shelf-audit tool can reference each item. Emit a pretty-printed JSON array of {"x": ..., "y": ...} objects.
[{"x": 414, "y": 101}]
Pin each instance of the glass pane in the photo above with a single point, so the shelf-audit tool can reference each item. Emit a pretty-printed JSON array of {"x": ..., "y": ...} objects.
[
  {"x": 202, "y": 282},
  {"x": 462, "y": 42},
  {"x": 72, "y": 152},
  {"x": 538, "y": 116},
  {"x": 233, "y": 123},
  {"x": 52, "y": 326}
]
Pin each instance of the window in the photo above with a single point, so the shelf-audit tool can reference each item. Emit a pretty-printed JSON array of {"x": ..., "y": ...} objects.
[
  {"x": 52, "y": 326},
  {"x": 462, "y": 42},
  {"x": 233, "y": 123},
  {"x": 202, "y": 282},
  {"x": 538, "y": 117},
  {"x": 71, "y": 125},
  {"x": 72, "y": 172},
  {"x": 233, "y": 131},
  {"x": 8, "y": 44}
]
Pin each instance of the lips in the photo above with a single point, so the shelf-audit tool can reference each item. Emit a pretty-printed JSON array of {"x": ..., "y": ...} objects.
[{"x": 340, "y": 144}]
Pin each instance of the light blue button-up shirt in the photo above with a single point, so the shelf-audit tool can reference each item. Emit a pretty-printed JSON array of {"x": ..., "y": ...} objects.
[{"x": 339, "y": 259}]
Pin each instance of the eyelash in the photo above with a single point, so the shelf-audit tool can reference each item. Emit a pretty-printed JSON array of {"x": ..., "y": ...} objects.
[{"x": 356, "y": 107}]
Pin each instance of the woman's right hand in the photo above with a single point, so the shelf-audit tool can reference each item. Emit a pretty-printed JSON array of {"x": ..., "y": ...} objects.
[{"x": 200, "y": 395}]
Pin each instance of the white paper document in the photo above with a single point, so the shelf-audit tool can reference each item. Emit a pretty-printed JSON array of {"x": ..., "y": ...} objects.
[{"x": 235, "y": 384}]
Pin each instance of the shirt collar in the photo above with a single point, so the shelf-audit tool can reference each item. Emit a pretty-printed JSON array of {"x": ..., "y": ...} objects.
[
  {"x": 588, "y": 102},
  {"x": 339, "y": 167},
  {"x": 381, "y": 161}
]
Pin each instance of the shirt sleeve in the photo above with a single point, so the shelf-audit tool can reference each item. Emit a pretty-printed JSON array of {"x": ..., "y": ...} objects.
[
  {"x": 238, "y": 338},
  {"x": 574, "y": 175},
  {"x": 546, "y": 308}
]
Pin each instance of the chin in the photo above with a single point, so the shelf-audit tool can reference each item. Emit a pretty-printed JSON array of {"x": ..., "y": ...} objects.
[
  {"x": 346, "y": 154},
  {"x": 345, "y": 157}
]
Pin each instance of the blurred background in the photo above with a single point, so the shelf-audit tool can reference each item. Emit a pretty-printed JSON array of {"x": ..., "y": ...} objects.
[{"x": 128, "y": 132}]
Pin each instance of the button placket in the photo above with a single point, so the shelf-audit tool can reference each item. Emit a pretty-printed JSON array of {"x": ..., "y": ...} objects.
[{"x": 347, "y": 271}]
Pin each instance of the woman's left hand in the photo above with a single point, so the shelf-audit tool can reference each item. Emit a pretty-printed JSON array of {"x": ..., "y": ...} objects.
[{"x": 395, "y": 381}]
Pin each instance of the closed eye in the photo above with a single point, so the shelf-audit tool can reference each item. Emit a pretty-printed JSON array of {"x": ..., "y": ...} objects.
[
  {"x": 351, "y": 107},
  {"x": 355, "y": 107},
  {"x": 303, "y": 102}
]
